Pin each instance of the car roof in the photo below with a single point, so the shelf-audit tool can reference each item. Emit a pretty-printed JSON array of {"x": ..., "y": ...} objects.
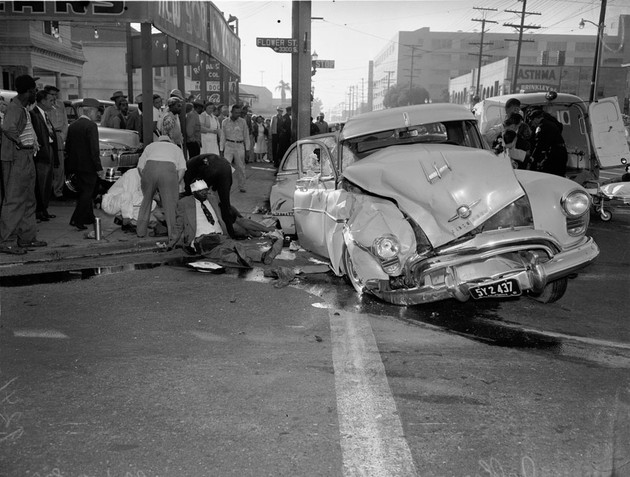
[
  {"x": 528, "y": 99},
  {"x": 404, "y": 116}
]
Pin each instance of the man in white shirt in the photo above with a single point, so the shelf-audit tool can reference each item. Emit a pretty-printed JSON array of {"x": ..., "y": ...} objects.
[
  {"x": 234, "y": 143},
  {"x": 162, "y": 166}
]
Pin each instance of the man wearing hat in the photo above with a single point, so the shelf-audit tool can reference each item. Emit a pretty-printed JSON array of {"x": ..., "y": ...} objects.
[
  {"x": 134, "y": 119},
  {"x": 274, "y": 136},
  {"x": 171, "y": 125},
  {"x": 17, "y": 213},
  {"x": 193, "y": 129},
  {"x": 199, "y": 228},
  {"x": 59, "y": 120},
  {"x": 115, "y": 116},
  {"x": 84, "y": 161}
]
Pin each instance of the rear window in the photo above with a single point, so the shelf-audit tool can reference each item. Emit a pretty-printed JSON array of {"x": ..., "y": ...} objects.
[{"x": 461, "y": 133}]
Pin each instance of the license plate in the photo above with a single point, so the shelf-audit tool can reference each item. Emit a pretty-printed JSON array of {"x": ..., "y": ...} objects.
[{"x": 500, "y": 288}]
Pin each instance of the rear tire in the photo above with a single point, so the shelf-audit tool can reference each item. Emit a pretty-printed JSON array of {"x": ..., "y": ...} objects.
[
  {"x": 552, "y": 292},
  {"x": 351, "y": 275}
]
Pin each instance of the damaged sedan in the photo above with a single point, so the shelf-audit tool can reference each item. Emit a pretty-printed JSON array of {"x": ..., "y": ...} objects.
[{"x": 411, "y": 206}]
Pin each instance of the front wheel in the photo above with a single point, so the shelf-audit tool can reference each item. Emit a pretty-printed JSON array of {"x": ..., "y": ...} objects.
[
  {"x": 605, "y": 216},
  {"x": 351, "y": 275},
  {"x": 552, "y": 292}
]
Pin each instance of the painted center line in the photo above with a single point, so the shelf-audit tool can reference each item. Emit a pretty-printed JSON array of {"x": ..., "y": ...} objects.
[
  {"x": 372, "y": 439},
  {"x": 38, "y": 333}
]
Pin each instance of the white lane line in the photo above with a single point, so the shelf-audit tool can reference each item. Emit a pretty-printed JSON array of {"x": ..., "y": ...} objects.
[
  {"x": 372, "y": 439},
  {"x": 38, "y": 333}
]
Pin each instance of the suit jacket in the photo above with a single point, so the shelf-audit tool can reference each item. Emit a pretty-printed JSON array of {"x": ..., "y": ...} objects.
[
  {"x": 82, "y": 148},
  {"x": 185, "y": 229},
  {"x": 48, "y": 153}
]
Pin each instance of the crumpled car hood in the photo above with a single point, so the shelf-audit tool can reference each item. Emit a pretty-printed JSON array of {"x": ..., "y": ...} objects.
[{"x": 448, "y": 190}]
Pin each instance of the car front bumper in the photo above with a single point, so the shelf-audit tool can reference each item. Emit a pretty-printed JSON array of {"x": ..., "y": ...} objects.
[{"x": 452, "y": 275}]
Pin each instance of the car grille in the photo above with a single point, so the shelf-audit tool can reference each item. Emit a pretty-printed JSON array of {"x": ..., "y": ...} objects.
[
  {"x": 128, "y": 159},
  {"x": 516, "y": 214}
]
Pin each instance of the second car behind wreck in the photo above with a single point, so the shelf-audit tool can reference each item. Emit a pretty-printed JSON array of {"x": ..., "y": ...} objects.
[{"x": 411, "y": 206}]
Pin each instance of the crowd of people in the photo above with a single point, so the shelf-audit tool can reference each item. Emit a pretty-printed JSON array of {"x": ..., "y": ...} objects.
[
  {"x": 531, "y": 141},
  {"x": 39, "y": 149}
]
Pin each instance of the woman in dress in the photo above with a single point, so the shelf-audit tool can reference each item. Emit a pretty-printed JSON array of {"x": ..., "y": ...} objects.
[
  {"x": 260, "y": 133},
  {"x": 209, "y": 130}
]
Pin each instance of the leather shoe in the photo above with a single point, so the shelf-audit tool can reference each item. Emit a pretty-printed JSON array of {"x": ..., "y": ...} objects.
[
  {"x": 10, "y": 249},
  {"x": 78, "y": 226},
  {"x": 50, "y": 216},
  {"x": 41, "y": 217},
  {"x": 32, "y": 243}
]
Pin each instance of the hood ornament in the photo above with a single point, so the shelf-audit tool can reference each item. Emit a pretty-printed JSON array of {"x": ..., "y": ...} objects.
[{"x": 464, "y": 211}]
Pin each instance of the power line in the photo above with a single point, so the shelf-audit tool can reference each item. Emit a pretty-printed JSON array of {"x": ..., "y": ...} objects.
[
  {"x": 520, "y": 40},
  {"x": 481, "y": 43}
]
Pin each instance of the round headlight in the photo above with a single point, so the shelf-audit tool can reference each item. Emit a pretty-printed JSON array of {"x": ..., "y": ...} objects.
[
  {"x": 576, "y": 203},
  {"x": 386, "y": 247}
]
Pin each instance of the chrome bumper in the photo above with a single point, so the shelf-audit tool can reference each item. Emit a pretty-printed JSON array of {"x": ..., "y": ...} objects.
[{"x": 452, "y": 276}]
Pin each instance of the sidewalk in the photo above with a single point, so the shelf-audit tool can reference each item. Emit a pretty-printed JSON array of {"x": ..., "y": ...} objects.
[{"x": 66, "y": 242}]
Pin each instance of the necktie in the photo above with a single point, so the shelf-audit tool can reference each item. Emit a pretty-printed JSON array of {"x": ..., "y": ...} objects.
[
  {"x": 51, "y": 129},
  {"x": 207, "y": 213}
]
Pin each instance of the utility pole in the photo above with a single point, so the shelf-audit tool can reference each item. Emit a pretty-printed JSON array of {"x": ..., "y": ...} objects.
[
  {"x": 598, "y": 48},
  {"x": 413, "y": 54},
  {"x": 389, "y": 78},
  {"x": 481, "y": 43},
  {"x": 362, "y": 95},
  {"x": 520, "y": 29}
]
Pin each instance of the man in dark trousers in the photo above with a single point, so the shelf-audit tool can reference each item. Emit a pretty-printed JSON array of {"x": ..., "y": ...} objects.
[
  {"x": 275, "y": 124},
  {"x": 549, "y": 152},
  {"x": 217, "y": 173},
  {"x": 17, "y": 216},
  {"x": 83, "y": 160},
  {"x": 284, "y": 133},
  {"x": 47, "y": 156}
]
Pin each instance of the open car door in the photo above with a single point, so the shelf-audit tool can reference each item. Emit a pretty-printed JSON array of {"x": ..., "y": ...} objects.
[
  {"x": 609, "y": 136},
  {"x": 316, "y": 198}
]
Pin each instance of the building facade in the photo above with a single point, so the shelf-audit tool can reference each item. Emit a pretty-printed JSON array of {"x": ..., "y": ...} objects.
[{"x": 430, "y": 59}]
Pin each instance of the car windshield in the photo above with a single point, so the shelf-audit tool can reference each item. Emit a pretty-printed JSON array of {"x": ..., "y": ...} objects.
[{"x": 461, "y": 133}]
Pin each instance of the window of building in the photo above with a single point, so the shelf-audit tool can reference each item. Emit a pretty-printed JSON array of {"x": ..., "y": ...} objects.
[
  {"x": 51, "y": 28},
  {"x": 584, "y": 47},
  {"x": 445, "y": 43},
  {"x": 556, "y": 45}
]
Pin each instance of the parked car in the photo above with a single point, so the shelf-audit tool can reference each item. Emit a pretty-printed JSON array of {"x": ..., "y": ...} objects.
[
  {"x": 594, "y": 134},
  {"x": 412, "y": 206},
  {"x": 120, "y": 148}
]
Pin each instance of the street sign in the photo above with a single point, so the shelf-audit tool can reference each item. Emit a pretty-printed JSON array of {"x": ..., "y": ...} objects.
[
  {"x": 324, "y": 63},
  {"x": 279, "y": 45}
]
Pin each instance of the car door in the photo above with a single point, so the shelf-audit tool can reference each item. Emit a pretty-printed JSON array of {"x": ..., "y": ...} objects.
[
  {"x": 281, "y": 195},
  {"x": 608, "y": 132},
  {"x": 315, "y": 186}
]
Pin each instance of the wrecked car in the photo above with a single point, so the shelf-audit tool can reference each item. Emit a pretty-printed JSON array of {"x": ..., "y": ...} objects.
[{"x": 410, "y": 205}]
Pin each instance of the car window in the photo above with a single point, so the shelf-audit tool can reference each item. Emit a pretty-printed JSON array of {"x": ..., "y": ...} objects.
[
  {"x": 315, "y": 161},
  {"x": 291, "y": 162},
  {"x": 461, "y": 133}
]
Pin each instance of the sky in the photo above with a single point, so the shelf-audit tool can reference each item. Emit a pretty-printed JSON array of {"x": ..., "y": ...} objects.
[{"x": 353, "y": 32}]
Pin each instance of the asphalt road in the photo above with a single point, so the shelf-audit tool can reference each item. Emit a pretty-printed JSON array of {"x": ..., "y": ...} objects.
[{"x": 169, "y": 372}]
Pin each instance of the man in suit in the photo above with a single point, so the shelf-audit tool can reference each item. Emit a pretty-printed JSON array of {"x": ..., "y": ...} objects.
[
  {"x": 275, "y": 123},
  {"x": 217, "y": 173},
  {"x": 83, "y": 160},
  {"x": 59, "y": 119},
  {"x": 284, "y": 133},
  {"x": 47, "y": 155},
  {"x": 199, "y": 228}
]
